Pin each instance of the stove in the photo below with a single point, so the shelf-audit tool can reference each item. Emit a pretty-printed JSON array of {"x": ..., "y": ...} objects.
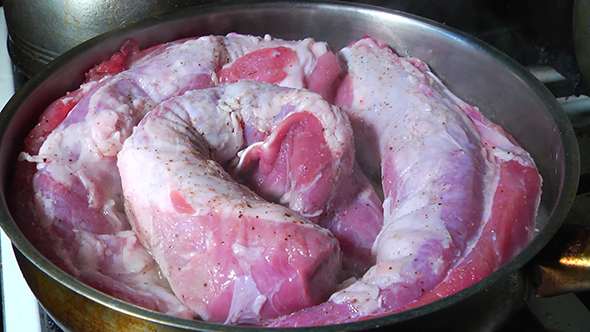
[{"x": 544, "y": 46}]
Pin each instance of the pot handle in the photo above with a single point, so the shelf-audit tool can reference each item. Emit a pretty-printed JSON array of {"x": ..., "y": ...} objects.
[{"x": 563, "y": 266}]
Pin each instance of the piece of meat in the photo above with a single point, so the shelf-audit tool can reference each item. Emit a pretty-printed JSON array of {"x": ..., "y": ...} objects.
[
  {"x": 355, "y": 217},
  {"x": 76, "y": 185},
  {"x": 173, "y": 68},
  {"x": 229, "y": 255},
  {"x": 104, "y": 260},
  {"x": 512, "y": 221},
  {"x": 263, "y": 65},
  {"x": 298, "y": 145},
  {"x": 300, "y": 154},
  {"x": 53, "y": 115},
  {"x": 448, "y": 175},
  {"x": 67, "y": 182},
  {"x": 75, "y": 197},
  {"x": 68, "y": 194}
]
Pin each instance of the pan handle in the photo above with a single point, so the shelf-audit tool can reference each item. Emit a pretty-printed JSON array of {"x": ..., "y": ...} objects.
[{"x": 563, "y": 266}]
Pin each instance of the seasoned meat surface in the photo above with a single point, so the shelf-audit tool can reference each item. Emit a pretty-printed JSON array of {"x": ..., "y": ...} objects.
[
  {"x": 449, "y": 180},
  {"x": 237, "y": 179},
  {"x": 231, "y": 256},
  {"x": 68, "y": 181}
]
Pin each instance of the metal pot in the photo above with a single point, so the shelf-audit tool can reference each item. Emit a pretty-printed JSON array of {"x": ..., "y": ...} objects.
[
  {"x": 505, "y": 92},
  {"x": 60, "y": 25}
]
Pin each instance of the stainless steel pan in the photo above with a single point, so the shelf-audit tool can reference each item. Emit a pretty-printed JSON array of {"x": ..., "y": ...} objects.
[{"x": 504, "y": 91}]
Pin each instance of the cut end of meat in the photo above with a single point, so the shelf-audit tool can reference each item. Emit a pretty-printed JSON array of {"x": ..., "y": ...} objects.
[
  {"x": 265, "y": 65},
  {"x": 294, "y": 160}
]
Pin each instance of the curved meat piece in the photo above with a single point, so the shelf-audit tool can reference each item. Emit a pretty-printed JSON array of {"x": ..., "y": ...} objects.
[
  {"x": 512, "y": 220},
  {"x": 442, "y": 180},
  {"x": 229, "y": 255},
  {"x": 300, "y": 154},
  {"x": 76, "y": 198},
  {"x": 298, "y": 147},
  {"x": 76, "y": 195},
  {"x": 353, "y": 205}
]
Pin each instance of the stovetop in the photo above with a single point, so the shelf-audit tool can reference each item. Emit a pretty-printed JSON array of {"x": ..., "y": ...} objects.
[
  {"x": 19, "y": 307},
  {"x": 541, "y": 41}
]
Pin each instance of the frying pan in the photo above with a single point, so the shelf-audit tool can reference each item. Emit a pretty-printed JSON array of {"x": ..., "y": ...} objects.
[{"x": 504, "y": 91}]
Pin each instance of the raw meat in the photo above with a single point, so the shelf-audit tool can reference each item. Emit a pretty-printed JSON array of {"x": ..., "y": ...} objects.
[
  {"x": 229, "y": 255},
  {"x": 450, "y": 180},
  {"x": 77, "y": 197},
  {"x": 74, "y": 148},
  {"x": 296, "y": 64},
  {"x": 460, "y": 195},
  {"x": 70, "y": 158},
  {"x": 307, "y": 163}
]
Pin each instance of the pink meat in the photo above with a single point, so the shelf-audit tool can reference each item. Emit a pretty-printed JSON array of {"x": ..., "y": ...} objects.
[
  {"x": 296, "y": 159},
  {"x": 80, "y": 221},
  {"x": 74, "y": 149},
  {"x": 122, "y": 257},
  {"x": 76, "y": 193},
  {"x": 511, "y": 224},
  {"x": 295, "y": 167},
  {"x": 51, "y": 118},
  {"x": 324, "y": 77},
  {"x": 273, "y": 65},
  {"x": 429, "y": 147},
  {"x": 449, "y": 179},
  {"x": 59, "y": 109},
  {"x": 297, "y": 64},
  {"x": 264, "y": 65},
  {"x": 229, "y": 255},
  {"x": 355, "y": 217},
  {"x": 117, "y": 63}
]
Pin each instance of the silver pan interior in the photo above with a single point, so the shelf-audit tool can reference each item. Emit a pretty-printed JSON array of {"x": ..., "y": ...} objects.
[{"x": 504, "y": 91}]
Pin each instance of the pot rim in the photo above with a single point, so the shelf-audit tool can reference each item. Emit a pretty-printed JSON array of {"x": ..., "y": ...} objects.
[{"x": 563, "y": 203}]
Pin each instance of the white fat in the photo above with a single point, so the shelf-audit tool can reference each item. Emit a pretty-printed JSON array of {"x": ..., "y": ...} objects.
[
  {"x": 295, "y": 77},
  {"x": 243, "y": 251},
  {"x": 246, "y": 302},
  {"x": 245, "y": 152},
  {"x": 364, "y": 296},
  {"x": 45, "y": 210},
  {"x": 131, "y": 260}
]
